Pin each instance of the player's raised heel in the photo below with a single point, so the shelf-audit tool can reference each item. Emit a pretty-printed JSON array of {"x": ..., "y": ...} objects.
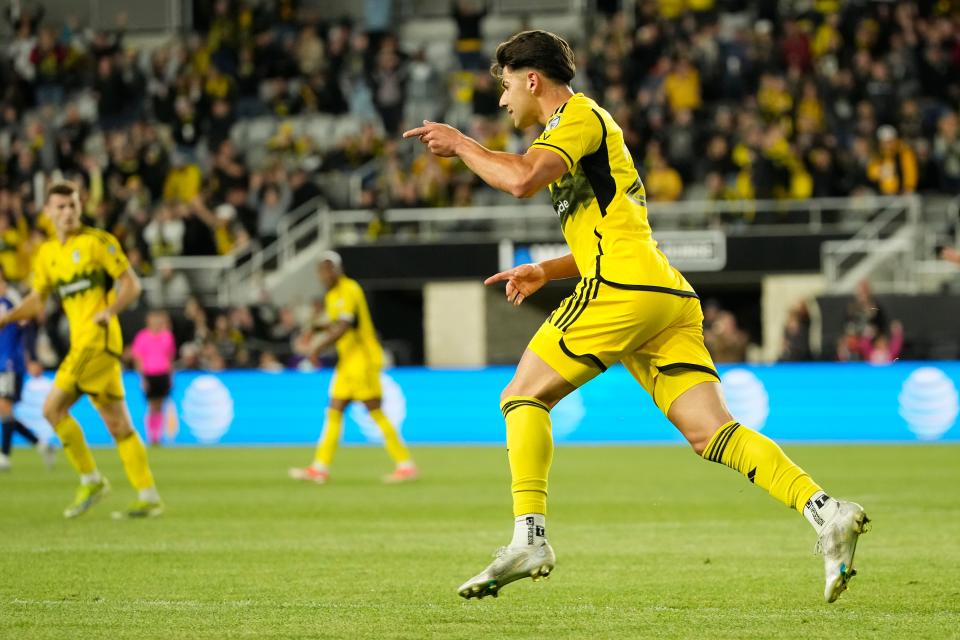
[
  {"x": 838, "y": 543},
  {"x": 509, "y": 565}
]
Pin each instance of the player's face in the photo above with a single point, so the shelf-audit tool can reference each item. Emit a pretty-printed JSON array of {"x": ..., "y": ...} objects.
[
  {"x": 328, "y": 274},
  {"x": 64, "y": 211},
  {"x": 156, "y": 322},
  {"x": 518, "y": 99}
]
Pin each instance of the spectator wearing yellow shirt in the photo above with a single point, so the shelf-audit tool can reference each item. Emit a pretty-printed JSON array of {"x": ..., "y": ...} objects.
[
  {"x": 682, "y": 86},
  {"x": 663, "y": 183},
  {"x": 13, "y": 246},
  {"x": 183, "y": 180},
  {"x": 893, "y": 169}
]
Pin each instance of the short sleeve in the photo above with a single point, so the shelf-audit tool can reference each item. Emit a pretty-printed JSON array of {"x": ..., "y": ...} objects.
[
  {"x": 342, "y": 305},
  {"x": 136, "y": 349},
  {"x": 111, "y": 255},
  {"x": 41, "y": 276},
  {"x": 571, "y": 133}
]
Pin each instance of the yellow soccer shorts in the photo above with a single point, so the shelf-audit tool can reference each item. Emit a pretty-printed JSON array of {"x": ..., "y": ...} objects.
[
  {"x": 91, "y": 371},
  {"x": 656, "y": 333},
  {"x": 356, "y": 383}
]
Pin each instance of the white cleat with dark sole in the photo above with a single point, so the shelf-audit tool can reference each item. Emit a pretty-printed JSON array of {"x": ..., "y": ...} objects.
[
  {"x": 837, "y": 543},
  {"x": 509, "y": 565}
]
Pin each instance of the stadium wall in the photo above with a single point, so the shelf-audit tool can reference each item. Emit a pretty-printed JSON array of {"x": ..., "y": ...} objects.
[{"x": 821, "y": 402}]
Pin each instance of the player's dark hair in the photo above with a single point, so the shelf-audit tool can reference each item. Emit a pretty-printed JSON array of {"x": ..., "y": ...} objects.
[
  {"x": 63, "y": 188},
  {"x": 542, "y": 51}
]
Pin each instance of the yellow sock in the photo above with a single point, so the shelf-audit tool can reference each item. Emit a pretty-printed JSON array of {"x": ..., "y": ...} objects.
[
  {"x": 75, "y": 445},
  {"x": 763, "y": 462},
  {"x": 330, "y": 438},
  {"x": 134, "y": 457},
  {"x": 391, "y": 439},
  {"x": 530, "y": 451}
]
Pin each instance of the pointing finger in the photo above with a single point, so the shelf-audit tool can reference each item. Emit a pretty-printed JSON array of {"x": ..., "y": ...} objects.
[
  {"x": 499, "y": 277},
  {"x": 415, "y": 133}
]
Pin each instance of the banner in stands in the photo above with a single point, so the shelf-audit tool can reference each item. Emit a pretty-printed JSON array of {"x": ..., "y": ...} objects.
[{"x": 904, "y": 402}]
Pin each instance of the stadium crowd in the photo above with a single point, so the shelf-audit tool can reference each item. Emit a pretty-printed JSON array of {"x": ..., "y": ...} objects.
[{"x": 718, "y": 101}]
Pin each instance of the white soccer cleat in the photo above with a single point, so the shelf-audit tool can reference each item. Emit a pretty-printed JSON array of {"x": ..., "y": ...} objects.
[
  {"x": 837, "y": 543},
  {"x": 4, "y": 462},
  {"x": 509, "y": 565}
]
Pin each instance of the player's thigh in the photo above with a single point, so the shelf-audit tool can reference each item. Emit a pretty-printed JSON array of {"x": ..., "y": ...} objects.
[
  {"x": 343, "y": 387},
  {"x": 536, "y": 378},
  {"x": 57, "y": 404},
  {"x": 595, "y": 327},
  {"x": 367, "y": 387}
]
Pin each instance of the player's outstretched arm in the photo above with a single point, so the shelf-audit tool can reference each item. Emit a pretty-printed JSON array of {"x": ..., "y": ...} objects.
[
  {"x": 128, "y": 290},
  {"x": 29, "y": 308},
  {"x": 526, "y": 279},
  {"x": 521, "y": 176}
]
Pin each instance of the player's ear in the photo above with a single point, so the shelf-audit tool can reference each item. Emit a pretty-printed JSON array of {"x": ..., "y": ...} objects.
[{"x": 533, "y": 81}]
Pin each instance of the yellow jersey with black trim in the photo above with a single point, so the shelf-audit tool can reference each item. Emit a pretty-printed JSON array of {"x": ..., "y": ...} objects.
[
  {"x": 81, "y": 272},
  {"x": 358, "y": 348},
  {"x": 602, "y": 203}
]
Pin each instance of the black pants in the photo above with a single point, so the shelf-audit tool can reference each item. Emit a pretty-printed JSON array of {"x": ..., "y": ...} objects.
[{"x": 11, "y": 425}]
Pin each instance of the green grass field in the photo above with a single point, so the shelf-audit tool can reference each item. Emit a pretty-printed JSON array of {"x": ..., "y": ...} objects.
[{"x": 651, "y": 543}]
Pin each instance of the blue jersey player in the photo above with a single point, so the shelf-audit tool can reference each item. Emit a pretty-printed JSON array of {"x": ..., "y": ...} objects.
[{"x": 13, "y": 352}]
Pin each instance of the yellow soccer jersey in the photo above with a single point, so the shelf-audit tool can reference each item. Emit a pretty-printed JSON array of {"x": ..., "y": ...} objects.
[
  {"x": 81, "y": 271},
  {"x": 602, "y": 203},
  {"x": 358, "y": 348}
]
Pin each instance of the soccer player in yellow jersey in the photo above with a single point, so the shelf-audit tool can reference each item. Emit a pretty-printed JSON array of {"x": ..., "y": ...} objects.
[
  {"x": 79, "y": 264},
  {"x": 357, "y": 376},
  {"x": 629, "y": 306}
]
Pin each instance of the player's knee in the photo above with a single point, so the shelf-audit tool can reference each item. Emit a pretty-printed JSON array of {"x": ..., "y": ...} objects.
[
  {"x": 699, "y": 441},
  {"x": 119, "y": 428},
  {"x": 53, "y": 413}
]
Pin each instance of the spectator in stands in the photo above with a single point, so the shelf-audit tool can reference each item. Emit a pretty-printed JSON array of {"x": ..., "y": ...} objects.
[
  {"x": 663, "y": 183},
  {"x": 865, "y": 313},
  {"x": 893, "y": 168},
  {"x": 725, "y": 341},
  {"x": 946, "y": 152},
  {"x": 881, "y": 348},
  {"x": 183, "y": 181},
  {"x": 469, "y": 15},
  {"x": 796, "y": 335}
]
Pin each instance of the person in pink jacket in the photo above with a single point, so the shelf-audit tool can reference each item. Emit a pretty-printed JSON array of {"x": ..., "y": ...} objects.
[{"x": 154, "y": 351}]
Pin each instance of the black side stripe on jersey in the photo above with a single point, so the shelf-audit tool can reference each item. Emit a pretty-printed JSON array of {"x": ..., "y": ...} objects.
[
  {"x": 596, "y": 166},
  {"x": 513, "y": 404},
  {"x": 645, "y": 287},
  {"x": 85, "y": 356},
  {"x": 571, "y": 299},
  {"x": 688, "y": 365},
  {"x": 553, "y": 146},
  {"x": 588, "y": 356},
  {"x": 572, "y": 303},
  {"x": 584, "y": 299},
  {"x": 591, "y": 294}
]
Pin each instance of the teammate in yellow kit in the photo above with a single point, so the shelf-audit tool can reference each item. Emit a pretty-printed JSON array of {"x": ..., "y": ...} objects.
[
  {"x": 630, "y": 306},
  {"x": 357, "y": 376},
  {"x": 89, "y": 272}
]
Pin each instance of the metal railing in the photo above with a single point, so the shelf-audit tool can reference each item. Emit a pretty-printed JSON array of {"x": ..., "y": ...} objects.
[
  {"x": 876, "y": 225},
  {"x": 222, "y": 280},
  {"x": 884, "y": 250}
]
